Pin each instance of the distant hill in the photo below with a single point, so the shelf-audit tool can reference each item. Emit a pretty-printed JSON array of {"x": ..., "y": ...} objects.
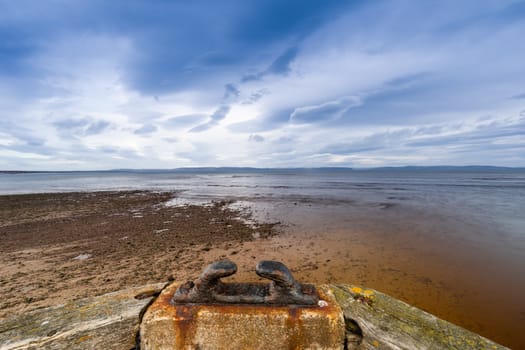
[
  {"x": 468, "y": 168},
  {"x": 229, "y": 170},
  {"x": 226, "y": 170}
]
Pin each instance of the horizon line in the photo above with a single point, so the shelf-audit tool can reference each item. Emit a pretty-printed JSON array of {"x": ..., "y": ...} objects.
[{"x": 211, "y": 168}]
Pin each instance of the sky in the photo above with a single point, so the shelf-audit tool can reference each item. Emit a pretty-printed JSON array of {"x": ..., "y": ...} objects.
[{"x": 92, "y": 85}]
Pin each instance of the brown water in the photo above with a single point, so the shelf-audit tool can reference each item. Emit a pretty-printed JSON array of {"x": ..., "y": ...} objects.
[{"x": 440, "y": 263}]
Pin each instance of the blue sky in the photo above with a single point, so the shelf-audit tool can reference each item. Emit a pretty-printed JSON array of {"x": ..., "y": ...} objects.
[{"x": 162, "y": 84}]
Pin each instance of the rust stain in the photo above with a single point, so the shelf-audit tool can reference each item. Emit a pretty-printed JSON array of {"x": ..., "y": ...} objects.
[
  {"x": 183, "y": 323},
  {"x": 293, "y": 323}
]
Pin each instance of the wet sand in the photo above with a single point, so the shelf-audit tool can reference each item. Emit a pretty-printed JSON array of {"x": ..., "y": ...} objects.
[
  {"x": 65, "y": 246},
  {"x": 57, "y": 247}
]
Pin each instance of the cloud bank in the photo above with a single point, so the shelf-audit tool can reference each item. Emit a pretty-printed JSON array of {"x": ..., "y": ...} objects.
[{"x": 131, "y": 84}]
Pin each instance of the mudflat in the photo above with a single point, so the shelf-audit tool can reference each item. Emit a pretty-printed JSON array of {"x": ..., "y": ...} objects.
[{"x": 63, "y": 246}]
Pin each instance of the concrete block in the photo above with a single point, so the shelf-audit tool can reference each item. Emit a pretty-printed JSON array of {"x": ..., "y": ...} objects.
[{"x": 200, "y": 326}]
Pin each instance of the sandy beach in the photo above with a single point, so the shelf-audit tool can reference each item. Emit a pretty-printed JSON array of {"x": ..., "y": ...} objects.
[
  {"x": 58, "y": 247},
  {"x": 64, "y": 246}
]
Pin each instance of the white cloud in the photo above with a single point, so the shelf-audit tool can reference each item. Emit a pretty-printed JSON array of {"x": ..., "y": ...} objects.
[
  {"x": 327, "y": 111},
  {"x": 23, "y": 155}
]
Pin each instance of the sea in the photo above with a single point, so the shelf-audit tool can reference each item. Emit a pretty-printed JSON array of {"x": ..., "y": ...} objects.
[
  {"x": 496, "y": 194},
  {"x": 450, "y": 240}
]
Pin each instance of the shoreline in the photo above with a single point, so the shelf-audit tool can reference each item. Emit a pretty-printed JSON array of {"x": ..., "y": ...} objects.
[{"x": 419, "y": 257}]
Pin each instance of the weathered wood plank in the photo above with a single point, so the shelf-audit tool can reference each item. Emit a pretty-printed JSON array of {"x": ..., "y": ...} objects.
[
  {"x": 109, "y": 321},
  {"x": 388, "y": 323}
]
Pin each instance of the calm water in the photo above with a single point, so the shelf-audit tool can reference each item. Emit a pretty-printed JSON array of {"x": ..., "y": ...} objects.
[
  {"x": 496, "y": 196},
  {"x": 450, "y": 242}
]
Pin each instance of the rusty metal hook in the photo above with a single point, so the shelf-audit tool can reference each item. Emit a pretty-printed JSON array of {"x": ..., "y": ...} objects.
[
  {"x": 201, "y": 291},
  {"x": 283, "y": 288}
]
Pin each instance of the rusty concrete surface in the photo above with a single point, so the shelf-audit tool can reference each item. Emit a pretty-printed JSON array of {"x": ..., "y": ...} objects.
[{"x": 198, "y": 326}]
